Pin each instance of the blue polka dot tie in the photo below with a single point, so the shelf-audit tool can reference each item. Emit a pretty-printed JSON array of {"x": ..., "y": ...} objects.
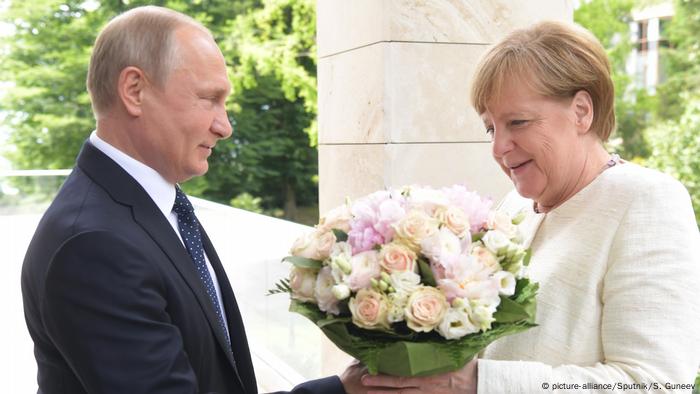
[{"x": 189, "y": 231}]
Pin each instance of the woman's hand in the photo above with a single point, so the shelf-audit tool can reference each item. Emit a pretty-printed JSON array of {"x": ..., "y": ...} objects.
[{"x": 457, "y": 382}]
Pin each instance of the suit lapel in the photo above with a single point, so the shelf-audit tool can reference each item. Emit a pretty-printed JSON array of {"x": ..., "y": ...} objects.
[{"x": 124, "y": 189}]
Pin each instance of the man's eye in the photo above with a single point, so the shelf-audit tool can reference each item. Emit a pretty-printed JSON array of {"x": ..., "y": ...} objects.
[
  {"x": 489, "y": 130},
  {"x": 518, "y": 122}
]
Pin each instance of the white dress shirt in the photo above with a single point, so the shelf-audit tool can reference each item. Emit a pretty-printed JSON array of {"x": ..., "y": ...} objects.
[{"x": 161, "y": 192}]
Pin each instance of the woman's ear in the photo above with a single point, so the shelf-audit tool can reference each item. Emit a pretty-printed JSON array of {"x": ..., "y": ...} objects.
[
  {"x": 130, "y": 87},
  {"x": 582, "y": 105}
]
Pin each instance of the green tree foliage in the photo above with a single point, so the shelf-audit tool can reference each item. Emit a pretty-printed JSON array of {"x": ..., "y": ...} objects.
[
  {"x": 681, "y": 61},
  {"x": 609, "y": 21},
  {"x": 269, "y": 46},
  {"x": 676, "y": 149}
]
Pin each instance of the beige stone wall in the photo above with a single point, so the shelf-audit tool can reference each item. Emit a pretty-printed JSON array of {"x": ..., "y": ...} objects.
[
  {"x": 393, "y": 83},
  {"x": 393, "y": 91}
]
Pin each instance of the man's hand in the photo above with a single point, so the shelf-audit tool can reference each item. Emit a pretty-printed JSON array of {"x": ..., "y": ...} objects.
[
  {"x": 457, "y": 382},
  {"x": 352, "y": 378}
]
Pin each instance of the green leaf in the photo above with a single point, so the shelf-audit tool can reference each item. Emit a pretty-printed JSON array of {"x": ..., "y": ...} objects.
[
  {"x": 281, "y": 287},
  {"x": 426, "y": 273},
  {"x": 340, "y": 235},
  {"x": 303, "y": 262},
  {"x": 510, "y": 311}
]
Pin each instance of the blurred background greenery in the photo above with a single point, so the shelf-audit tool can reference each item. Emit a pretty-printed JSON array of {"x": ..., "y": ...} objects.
[{"x": 270, "y": 164}]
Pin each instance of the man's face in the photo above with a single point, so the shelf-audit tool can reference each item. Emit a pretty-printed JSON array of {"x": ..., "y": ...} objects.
[{"x": 186, "y": 117}]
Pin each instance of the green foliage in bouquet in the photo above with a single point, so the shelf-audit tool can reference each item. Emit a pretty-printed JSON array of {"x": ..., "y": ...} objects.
[{"x": 421, "y": 354}]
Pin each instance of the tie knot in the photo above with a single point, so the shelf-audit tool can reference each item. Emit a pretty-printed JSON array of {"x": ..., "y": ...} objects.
[{"x": 182, "y": 205}]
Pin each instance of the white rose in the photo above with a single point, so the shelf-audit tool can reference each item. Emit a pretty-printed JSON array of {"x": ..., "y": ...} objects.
[
  {"x": 495, "y": 240},
  {"x": 505, "y": 281},
  {"x": 303, "y": 284},
  {"x": 502, "y": 222},
  {"x": 325, "y": 299},
  {"x": 456, "y": 322}
]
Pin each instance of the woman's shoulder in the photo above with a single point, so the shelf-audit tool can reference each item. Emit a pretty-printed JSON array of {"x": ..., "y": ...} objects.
[{"x": 634, "y": 179}]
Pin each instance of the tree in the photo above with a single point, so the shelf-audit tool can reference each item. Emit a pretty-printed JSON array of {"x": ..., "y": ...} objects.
[
  {"x": 676, "y": 148},
  {"x": 609, "y": 21},
  {"x": 269, "y": 46}
]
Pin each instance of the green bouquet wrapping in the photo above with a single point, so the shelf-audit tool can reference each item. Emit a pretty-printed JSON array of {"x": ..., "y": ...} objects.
[{"x": 414, "y": 281}]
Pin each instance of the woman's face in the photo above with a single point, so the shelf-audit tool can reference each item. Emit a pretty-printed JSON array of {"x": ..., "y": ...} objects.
[{"x": 537, "y": 141}]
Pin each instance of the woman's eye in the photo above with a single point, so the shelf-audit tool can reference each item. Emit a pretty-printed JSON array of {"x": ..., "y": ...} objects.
[
  {"x": 489, "y": 130},
  {"x": 518, "y": 122}
]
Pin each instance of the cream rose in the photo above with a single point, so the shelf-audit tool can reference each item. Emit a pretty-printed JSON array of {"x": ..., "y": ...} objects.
[
  {"x": 414, "y": 228},
  {"x": 395, "y": 257},
  {"x": 337, "y": 218},
  {"x": 316, "y": 245},
  {"x": 425, "y": 309},
  {"x": 303, "y": 284},
  {"x": 369, "y": 309},
  {"x": 455, "y": 219}
]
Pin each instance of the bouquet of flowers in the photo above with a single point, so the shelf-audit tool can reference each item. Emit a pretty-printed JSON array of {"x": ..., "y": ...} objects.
[{"x": 413, "y": 281}]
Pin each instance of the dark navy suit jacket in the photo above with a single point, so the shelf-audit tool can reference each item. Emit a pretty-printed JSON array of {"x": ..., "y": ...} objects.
[{"x": 113, "y": 301}]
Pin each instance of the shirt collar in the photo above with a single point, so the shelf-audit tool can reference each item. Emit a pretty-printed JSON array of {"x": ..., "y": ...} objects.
[{"x": 158, "y": 188}]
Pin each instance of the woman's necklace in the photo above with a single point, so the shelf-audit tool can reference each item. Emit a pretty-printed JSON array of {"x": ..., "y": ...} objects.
[{"x": 614, "y": 160}]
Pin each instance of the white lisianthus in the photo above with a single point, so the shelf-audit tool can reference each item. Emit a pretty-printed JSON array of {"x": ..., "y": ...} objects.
[
  {"x": 339, "y": 261},
  {"x": 325, "y": 298},
  {"x": 456, "y": 322},
  {"x": 482, "y": 312},
  {"x": 505, "y": 281},
  {"x": 495, "y": 241},
  {"x": 341, "y": 291},
  {"x": 365, "y": 267},
  {"x": 486, "y": 258},
  {"x": 404, "y": 282},
  {"x": 441, "y": 244},
  {"x": 303, "y": 283}
]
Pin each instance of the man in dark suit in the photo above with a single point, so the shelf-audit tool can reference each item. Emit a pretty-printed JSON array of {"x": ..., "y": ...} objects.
[{"x": 123, "y": 291}]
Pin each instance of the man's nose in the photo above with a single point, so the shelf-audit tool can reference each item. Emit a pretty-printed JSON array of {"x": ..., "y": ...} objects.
[{"x": 222, "y": 125}]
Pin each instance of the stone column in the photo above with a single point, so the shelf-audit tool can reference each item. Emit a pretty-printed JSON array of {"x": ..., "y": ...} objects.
[{"x": 393, "y": 92}]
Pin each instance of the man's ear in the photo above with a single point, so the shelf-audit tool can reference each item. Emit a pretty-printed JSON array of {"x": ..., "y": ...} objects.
[
  {"x": 130, "y": 88},
  {"x": 582, "y": 105}
]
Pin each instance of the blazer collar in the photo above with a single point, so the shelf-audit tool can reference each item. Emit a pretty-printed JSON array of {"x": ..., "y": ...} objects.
[{"x": 125, "y": 190}]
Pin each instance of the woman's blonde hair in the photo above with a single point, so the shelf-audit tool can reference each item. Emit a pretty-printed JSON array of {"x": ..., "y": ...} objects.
[
  {"x": 141, "y": 37},
  {"x": 556, "y": 60}
]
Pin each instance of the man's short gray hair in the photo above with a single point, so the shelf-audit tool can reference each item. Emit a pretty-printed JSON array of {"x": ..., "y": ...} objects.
[{"x": 141, "y": 37}]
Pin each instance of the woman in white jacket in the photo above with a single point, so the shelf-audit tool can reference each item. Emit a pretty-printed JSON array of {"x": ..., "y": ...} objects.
[{"x": 616, "y": 247}]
